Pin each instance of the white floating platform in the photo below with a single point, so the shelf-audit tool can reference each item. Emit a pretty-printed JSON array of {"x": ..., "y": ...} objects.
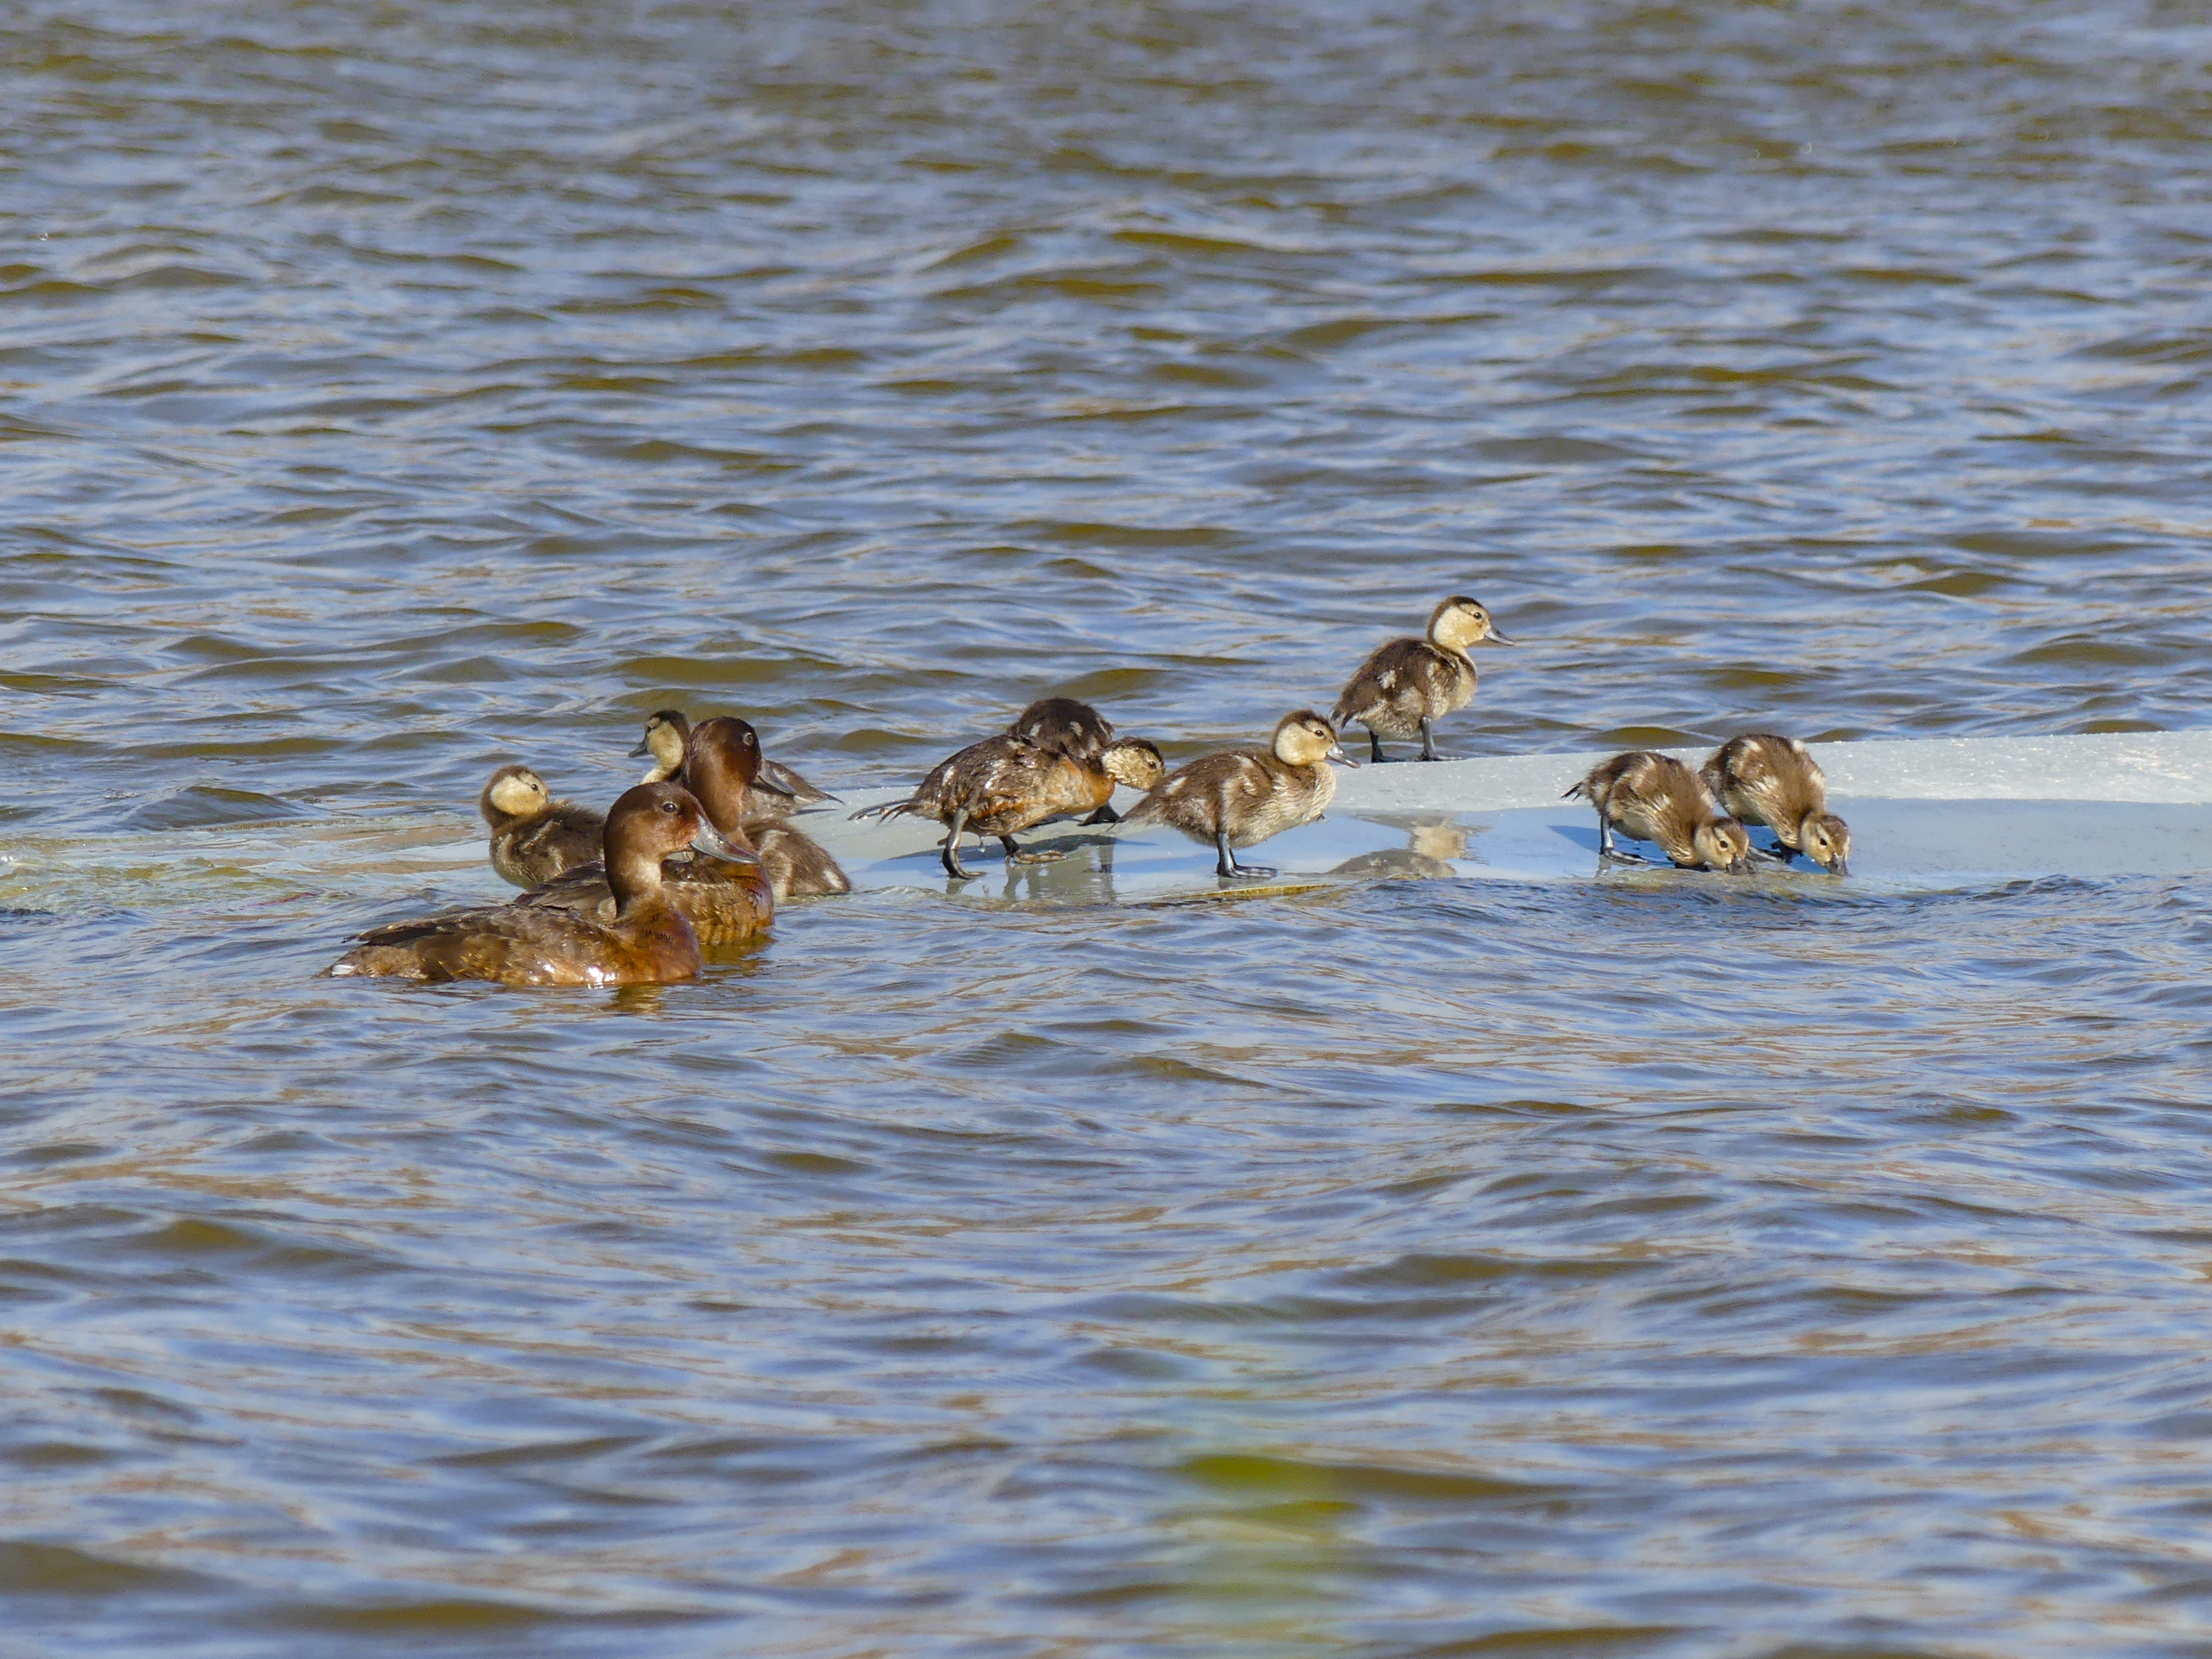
[{"x": 1930, "y": 812}]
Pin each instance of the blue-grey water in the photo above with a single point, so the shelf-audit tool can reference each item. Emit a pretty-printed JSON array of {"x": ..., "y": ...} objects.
[{"x": 1412, "y": 1268}]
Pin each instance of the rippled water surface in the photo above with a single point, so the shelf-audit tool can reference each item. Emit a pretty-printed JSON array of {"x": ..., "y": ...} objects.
[{"x": 1413, "y": 1267}]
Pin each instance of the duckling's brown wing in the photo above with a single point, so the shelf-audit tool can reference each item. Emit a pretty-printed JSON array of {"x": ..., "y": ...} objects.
[
  {"x": 1208, "y": 794},
  {"x": 562, "y": 837},
  {"x": 1393, "y": 683},
  {"x": 1063, "y": 726}
]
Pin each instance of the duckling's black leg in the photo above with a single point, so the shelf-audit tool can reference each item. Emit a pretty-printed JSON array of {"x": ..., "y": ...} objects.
[
  {"x": 1375, "y": 748},
  {"x": 1227, "y": 867},
  {"x": 1778, "y": 853},
  {"x": 1605, "y": 849},
  {"x": 1105, "y": 814},
  {"x": 1015, "y": 856},
  {"x": 1429, "y": 742},
  {"x": 952, "y": 848}
]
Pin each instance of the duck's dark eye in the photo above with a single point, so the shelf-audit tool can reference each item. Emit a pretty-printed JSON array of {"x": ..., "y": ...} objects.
[{"x": 668, "y": 806}]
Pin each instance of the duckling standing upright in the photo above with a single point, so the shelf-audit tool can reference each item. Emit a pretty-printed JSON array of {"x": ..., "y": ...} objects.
[
  {"x": 1002, "y": 785},
  {"x": 1653, "y": 797},
  {"x": 1765, "y": 779},
  {"x": 1408, "y": 685},
  {"x": 726, "y": 902},
  {"x": 797, "y": 866},
  {"x": 646, "y": 940},
  {"x": 779, "y": 790},
  {"x": 1241, "y": 797},
  {"x": 534, "y": 837}
]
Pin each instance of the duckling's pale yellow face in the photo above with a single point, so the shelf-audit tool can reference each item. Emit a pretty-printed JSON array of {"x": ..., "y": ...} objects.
[
  {"x": 1306, "y": 740},
  {"x": 1825, "y": 839},
  {"x": 519, "y": 794},
  {"x": 1459, "y": 623},
  {"x": 1722, "y": 844},
  {"x": 1133, "y": 762},
  {"x": 664, "y": 743}
]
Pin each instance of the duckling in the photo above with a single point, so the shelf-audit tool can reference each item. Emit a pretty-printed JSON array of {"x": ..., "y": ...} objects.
[
  {"x": 534, "y": 837},
  {"x": 1763, "y": 779},
  {"x": 1653, "y": 797},
  {"x": 725, "y": 904},
  {"x": 1002, "y": 785},
  {"x": 1242, "y": 796},
  {"x": 1062, "y": 725},
  {"x": 646, "y": 941},
  {"x": 1408, "y": 685},
  {"x": 781, "y": 791}
]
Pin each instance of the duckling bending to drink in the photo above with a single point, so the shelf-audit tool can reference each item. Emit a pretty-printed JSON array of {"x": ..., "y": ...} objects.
[
  {"x": 1771, "y": 780},
  {"x": 646, "y": 940},
  {"x": 1653, "y": 797},
  {"x": 534, "y": 837},
  {"x": 1243, "y": 796},
  {"x": 1002, "y": 785},
  {"x": 1408, "y": 685}
]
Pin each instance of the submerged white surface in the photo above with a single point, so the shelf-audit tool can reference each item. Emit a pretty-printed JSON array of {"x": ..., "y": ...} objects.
[{"x": 1941, "y": 811}]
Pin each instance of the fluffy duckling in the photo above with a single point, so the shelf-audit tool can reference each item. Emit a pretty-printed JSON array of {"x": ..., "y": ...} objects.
[
  {"x": 1765, "y": 779},
  {"x": 646, "y": 940},
  {"x": 534, "y": 837},
  {"x": 1002, "y": 785},
  {"x": 1652, "y": 797},
  {"x": 778, "y": 792},
  {"x": 1242, "y": 796},
  {"x": 1062, "y": 725},
  {"x": 1408, "y": 685}
]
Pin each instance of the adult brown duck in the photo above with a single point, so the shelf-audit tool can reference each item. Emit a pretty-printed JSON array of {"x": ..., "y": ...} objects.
[{"x": 646, "y": 940}]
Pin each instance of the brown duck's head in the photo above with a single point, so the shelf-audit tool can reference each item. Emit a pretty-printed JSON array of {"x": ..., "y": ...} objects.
[
  {"x": 666, "y": 731},
  {"x": 650, "y": 821},
  {"x": 1460, "y": 621},
  {"x": 722, "y": 765},
  {"x": 1826, "y": 840},
  {"x": 1066, "y": 726},
  {"x": 1306, "y": 739},
  {"x": 1133, "y": 761},
  {"x": 1722, "y": 844},
  {"x": 515, "y": 792}
]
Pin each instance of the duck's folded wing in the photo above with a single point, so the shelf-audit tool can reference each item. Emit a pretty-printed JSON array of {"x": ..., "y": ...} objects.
[{"x": 1382, "y": 679}]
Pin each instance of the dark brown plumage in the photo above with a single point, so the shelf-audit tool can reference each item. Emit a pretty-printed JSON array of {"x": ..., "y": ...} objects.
[
  {"x": 1002, "y": 785},
  {"x": 1775, "y": 781},
  {"x": 777, "y": 793},
  {"x": 1242, "y": 796},
  {"x": 534, "y": 836},
  {"x": 646, "y": 940},
  {"x": 1062, "y": 725},
  {"x": 1652, "y": 797},
  {"x": 1407, "y": 685},
  {"x": 726, "y": 903}
]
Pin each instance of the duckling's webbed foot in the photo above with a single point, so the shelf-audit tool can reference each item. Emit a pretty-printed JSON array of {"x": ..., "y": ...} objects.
[
  {"x": 1614, "y": 855},
  {"x": 1226, "y": 866},
  {"x": 1429, "y": 742},
  {"x": 1105, "y": 814},
  {"x": 1778, "y": 853},
  {"x": 1015, "y": 855}
]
